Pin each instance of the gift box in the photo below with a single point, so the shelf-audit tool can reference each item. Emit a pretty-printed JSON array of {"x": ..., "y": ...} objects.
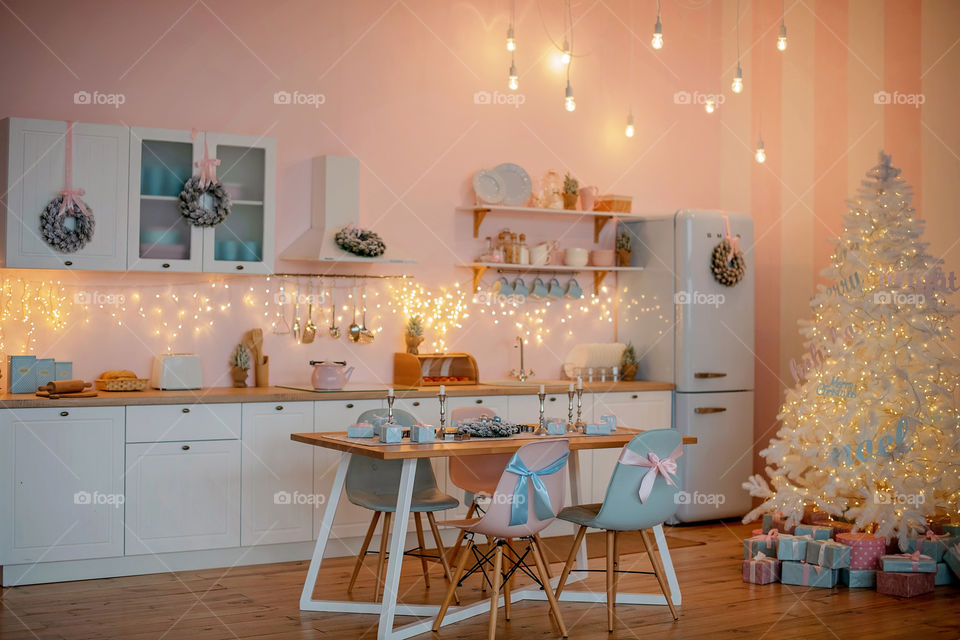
[
  {"x": 840, "y": 527},
  {"x": 761, "y": 570},
  {"x": 943, "y": 575},
  {"x": 908, "y": 563},
  {"x": 817, "y": 532},
  {"x": 610, "y": 420},
  {"x": 765, "y": 544},
  {"x": 859, "y": 578},
  {"x": 952, "y": 559},
  {"x": 594, "y": 429},
  {"x": 422, "y": 433},
  {"x": 556, "y": 428},
  {"x": 812, "y": 516},
  {"x": 792, "y": 547},
  {"x": 360, "y": 430},
  {"x": 904, "y": 585},
  {"x": 931, "y": 545},
  {"x": 952, "y": 530},
  {"x": 828, "y": 553},
  {"x": 865, "y": 549},
  {"x": 391, "y": 433},
  {"x": 775, "y": 521},
  {"x": 804, "y": 574}
]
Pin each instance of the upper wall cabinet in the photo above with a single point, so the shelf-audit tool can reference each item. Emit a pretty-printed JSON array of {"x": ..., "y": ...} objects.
[{"x": 32, "y": 174}]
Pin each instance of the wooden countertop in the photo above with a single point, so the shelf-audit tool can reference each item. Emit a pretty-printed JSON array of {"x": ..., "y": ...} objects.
[{"x": 215, "y": 395}]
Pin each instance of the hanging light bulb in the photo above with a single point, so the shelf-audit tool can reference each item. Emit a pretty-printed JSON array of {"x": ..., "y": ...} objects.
[
  {"x": 568, "y": 102},
  {"x": 710, "y": 105},
  {"x": 511, "y": 42},
  {"x": 629, "y": 131},
  {"x": 737, "y": 85},
  {"x": 514, "y": 83},
  {"x": 565, "y": 56},
  {"x": 761, "y": 154},
  {"x": 782, "y": 38},
  {"x": 657, "y": 41}
]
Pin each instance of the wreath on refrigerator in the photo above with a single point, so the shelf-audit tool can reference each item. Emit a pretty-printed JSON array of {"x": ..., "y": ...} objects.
[{"x": 728, "y": 263}]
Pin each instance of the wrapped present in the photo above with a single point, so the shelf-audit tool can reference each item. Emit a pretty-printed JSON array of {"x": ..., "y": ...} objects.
[
  {"x": 792, "y": 547},
  {"x": 817, "y": 532},
  {"x": 594, "y": 429},
  {"x": 761, "y": 570},
  {"x": 360, "y": 430},
  {"x": 859, "y": 578},
  {"x": 765, "y": 543},
  {"x": 775, "y": 521},
  {"x": 865, "y": 549},
  {"x": 914, "y": 562},
  {"x": 905, "y": 585},
  {"x": 391, "y": 433},
  {"x": 422, "y": 433},
  {"x": 805, "y": 574},
  {"x": 952, "y": 530},
  {"x": 952, "y": 559},
  {"x": 943, "y": 575},
  {"x": 930, "y": 545},
  {"x": 840, "y": 527},
  {"x": 828, "y": 553},
  {"x": 557, "y": 428},
  {"x": 812, "y": 516}
]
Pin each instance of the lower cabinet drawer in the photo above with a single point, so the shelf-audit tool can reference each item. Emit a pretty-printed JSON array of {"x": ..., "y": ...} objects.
[
  {"x": 182, "y": 496},
  {"x": 175, "y": 422}
]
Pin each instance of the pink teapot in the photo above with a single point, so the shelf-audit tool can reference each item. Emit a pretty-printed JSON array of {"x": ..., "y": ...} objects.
[{"x": 330, "y": 375}]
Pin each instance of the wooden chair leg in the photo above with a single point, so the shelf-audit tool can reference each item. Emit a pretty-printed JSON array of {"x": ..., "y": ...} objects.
[
  {"x": 542, "y": 570},
  {"x": 417, "y": 520},
  {"x": 658, "y": 570},
  {"x": 448, "y": 598},
  {"x": 616, "y": 564},
  {"x": 611, "y": 598},
  {"x": 506, "y": 585},
  {"x": 441, "y": 551},
  {"x": 363, "y": 550},
  {"x": 543, "y": 554},
  {"x": 459, "y": 543},
  {"x": 571, "y": 558},
  {"x": 384, "y": 535},
  {"x": 495, "y": 595}
]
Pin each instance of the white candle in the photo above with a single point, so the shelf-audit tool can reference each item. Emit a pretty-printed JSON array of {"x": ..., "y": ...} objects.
[
  {"x": 390, "y": 392},
  {"x": 579, "y": 382},
  {"x": 541, "y": 388},
  {"x": 443, "y": 390},
  {"x": 571, "y": 386}
]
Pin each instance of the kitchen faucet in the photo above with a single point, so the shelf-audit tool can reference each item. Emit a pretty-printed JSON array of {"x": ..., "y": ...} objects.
[{"x": 522, "y": 374}]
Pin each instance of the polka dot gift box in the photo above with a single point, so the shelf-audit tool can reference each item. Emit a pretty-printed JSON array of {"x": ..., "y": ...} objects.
[{"x": 865, "y": 549}]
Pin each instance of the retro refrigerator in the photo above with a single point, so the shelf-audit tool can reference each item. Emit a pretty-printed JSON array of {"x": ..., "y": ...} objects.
[{"x": 698, "y": 333}]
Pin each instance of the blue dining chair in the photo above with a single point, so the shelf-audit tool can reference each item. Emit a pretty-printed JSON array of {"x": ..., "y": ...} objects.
[
  {"x": 374, "y": 484},
  {"x": 641, "y": 494}
]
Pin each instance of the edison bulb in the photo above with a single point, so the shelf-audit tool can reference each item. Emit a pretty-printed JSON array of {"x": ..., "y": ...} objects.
[
  {"x": 782, "y": 38},
  {"x": 657, "y": 41},
  {"x": 511, "y": 42},
  {"x": 710, "y": 105},
  {"x": 629, "y": 131},
  {"x": 514, "y": 80},
  {"x": 761, "y": 154},
  {"x": 568, "y": 102},
  {"x": 737, "y": 85}
]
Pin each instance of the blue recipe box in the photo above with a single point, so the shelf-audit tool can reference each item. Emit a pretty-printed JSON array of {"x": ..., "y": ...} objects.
[
  {"x": 21, "y": 374},
  {"x": 45, "y": 372},
  {"x": 63, "y": 371}
]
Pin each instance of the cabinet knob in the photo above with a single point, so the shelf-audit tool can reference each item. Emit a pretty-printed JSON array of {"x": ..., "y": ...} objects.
[
  {"x": 553, "y": 398},
  {"x": 479, "y": 400},
  {"x": 186, "y": 409},
  {"x": 416, "y": 403},
  {"x": 239, "y": 267},
  {"x": 68, "y": 263},
  {"x": 279, "y": 407},
  {"x": 166, "y": 265},
  {"x": 185, "y": 447},
  {"x": 64, "y": 413},
  {"x": 634, "y": 396},
  {"x": 349, "y": 405},
  {"x": 702, "y": 410}
]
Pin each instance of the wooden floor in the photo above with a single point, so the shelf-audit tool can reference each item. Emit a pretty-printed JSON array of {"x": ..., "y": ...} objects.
[{"x": 262, "y": 602}]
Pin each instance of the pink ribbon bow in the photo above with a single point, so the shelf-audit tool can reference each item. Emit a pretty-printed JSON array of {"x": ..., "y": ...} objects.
[
  {"x": 915, "y": 558},
  {"x": 733, "y": 240},
  {"x": 666, "y": 467},
  {"x": 71, "y": 196},
  {"x": 806, "y": 573},
  {"x": 208, "y": 166}
]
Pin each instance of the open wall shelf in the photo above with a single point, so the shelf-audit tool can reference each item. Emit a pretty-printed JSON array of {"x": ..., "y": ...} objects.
[
  {"x": 599, "y": 273},
  {"x": 600, "y": 218}
]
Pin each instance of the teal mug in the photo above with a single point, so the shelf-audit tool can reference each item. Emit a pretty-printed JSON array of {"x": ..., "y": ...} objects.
[
  {"x": 539, "y": 289},
  {"x": 573, "y": 289},
  {"x": 502, "y": 286},
  {"x": 520, "y": 288},
  {"x": 556, "y": 289}
]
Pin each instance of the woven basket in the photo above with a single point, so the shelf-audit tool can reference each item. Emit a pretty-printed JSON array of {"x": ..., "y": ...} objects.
[
  {"x": 614, "y": 204},
  {"x": 122, "y": 384}
]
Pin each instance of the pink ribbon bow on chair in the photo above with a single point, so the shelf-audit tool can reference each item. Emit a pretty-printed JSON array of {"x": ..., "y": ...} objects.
[
  {"x": 666, "y": 467},
  {"x": 71, "y": 196},
  {"x": 208, "y": 166}
]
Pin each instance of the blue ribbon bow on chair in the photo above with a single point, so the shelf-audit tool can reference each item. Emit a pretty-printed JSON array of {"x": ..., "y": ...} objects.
[{"x": 541, "y": 499}]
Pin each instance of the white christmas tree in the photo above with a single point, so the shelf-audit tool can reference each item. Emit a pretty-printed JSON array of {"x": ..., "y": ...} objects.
[{"x": 870, "y": 433}]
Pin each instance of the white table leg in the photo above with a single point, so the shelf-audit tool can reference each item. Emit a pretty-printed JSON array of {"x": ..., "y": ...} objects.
[
  {"x": 329, "y": 512},
  {"x": 573, "y": 463},
  {"x": 397, "y": 539},
  {"x": 667, "y": 564}
]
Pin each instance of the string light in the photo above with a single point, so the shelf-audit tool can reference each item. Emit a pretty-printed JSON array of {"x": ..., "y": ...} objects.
[
  {"x": 782, "y": 37},
  {"x": 629, "y": 131},
  {"x": 513, "y": 78},
  {"x": 565, "y": 53},
  {"x": 657, "y": 41},
  {"x": 761, "y": 154},
  {"x": 568, "y": 102},
  {"x": 737, "y": 85},
  {"x": 511, "y": 42},
  {"x": 710, "y": 105}
]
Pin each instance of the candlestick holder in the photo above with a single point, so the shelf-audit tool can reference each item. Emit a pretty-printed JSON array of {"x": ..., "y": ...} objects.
[
  {"x": 541, "y": 426},
  {"x": 579, "y": 423},
  {"x": 571, "y": 426},
  {"x": 390, "y": 400},
  {"x": 443, "y": 412}
]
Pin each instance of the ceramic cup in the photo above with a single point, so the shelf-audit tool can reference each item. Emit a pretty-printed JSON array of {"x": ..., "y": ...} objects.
[
  {"x": 556, "y": 289},
  {"x": 502, "y": 287},
  {"x": 520, "y": 288},
  {"x": 573, "y": 289},
  {"x": 576, "y": 257},
  {"x": 540, "y": 254},
  {"x": 539, "y": 289},
  {"x": 227, "y": 250},
  {"x": 250, "y": 251},
  {"x": 151, "y": 178},
  {"x": 588, "y": 197}
]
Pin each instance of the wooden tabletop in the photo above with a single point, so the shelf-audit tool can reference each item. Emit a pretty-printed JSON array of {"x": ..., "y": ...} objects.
[{"x": 473, "y": 447}]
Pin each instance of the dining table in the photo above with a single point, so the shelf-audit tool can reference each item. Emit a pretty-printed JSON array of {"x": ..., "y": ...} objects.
[{"x": 410, "y": 453}]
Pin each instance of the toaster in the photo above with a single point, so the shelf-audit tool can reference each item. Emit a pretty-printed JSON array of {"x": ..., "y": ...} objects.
[{"x": 177, "y": 371}]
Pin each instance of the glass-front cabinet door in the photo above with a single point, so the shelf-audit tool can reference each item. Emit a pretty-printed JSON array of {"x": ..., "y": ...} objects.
[
  {"x": 159, "y": 238},
  {"x": 243, "y": 242}
]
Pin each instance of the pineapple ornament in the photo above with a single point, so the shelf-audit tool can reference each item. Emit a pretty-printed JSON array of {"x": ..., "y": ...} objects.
[
  {"x": 414, "y": 334},
  {"x": 240, "y": 366}
]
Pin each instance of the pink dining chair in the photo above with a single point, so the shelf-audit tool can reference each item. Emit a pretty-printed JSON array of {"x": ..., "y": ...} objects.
[{"x": 528, "y": 495}]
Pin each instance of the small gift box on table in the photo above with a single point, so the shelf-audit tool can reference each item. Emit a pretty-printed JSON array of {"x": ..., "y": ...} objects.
[
  {"x": 360, "y": 430},
  {"x": 952, "y": 559},
  {"x": 422, "y": 433},
  {"x": 930, "y": 545},
  {"x": 761, "y": 570},
  {"x": 556, "y": 428},
  {"x": 905, "y": 585},
  {"x": 859, "y": 578},
  {"x": 914, "y": 562},
  {"x": 792, "y": 547},
  {"x": 594, "y": 429},
  {"x": 763, "y": 543},
  {"x": 815, "y": 531},
  {"x": 804, "y": 574},
  {"x": 775, "y": 521},
  {"x": 865, "y": 549},
  {"x": 943, "y": 575},
  {"x": 391, "y": 433},
  {"x": 828, "y": 553}
]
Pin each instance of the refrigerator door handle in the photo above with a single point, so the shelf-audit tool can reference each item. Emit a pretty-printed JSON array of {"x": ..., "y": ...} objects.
[
  {"x": 703, "y": 374},
  {"x": 709, "y": 409}
]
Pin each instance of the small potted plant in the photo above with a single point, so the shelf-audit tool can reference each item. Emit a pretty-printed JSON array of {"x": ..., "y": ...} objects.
[
  {"x": 571, "y": 191},
  {"x": 628, "y": 363},
  {"x": 624, "y": 249},
  {"x": 414, "y": 334},
  {"x": 240, "y": 365}
]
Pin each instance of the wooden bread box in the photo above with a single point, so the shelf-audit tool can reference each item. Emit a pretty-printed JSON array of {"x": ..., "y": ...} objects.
[{"x": 434, "y": 369}]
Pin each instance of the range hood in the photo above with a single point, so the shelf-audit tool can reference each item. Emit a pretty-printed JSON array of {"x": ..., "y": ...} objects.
[{"x": 334, "y": 203}]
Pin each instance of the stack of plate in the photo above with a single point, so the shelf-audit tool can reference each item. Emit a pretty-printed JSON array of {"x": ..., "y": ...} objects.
[{"x": 507, "y": 184}]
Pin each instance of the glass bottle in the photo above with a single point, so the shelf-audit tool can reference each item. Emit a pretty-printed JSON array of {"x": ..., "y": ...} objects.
[
  {"x": 524, "y": 250},
  {"x": 514, "y": 249},
  {"x": 488, "y": 254},
  {"x": 501, "y": 248}
]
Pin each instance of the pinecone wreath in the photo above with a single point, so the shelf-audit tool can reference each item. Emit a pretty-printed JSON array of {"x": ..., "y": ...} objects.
[
  {"x": 728, "y": 263},
  {"x": 360, "y": 242}
]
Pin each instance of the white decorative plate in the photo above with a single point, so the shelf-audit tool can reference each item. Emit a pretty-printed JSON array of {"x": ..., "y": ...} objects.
[
  {"x": 488, "y": 186},
  {"x": 517, "y": 184}
]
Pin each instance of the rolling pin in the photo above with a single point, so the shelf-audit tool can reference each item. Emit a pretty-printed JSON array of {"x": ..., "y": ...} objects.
[{"x": 65, "y": 386}]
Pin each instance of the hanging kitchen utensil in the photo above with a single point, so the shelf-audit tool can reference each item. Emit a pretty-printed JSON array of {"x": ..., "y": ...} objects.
[
  {"x": 310, "y": 330},
  {"x": 333, "y": 330},
  {"x": 296, "y": 314},
  {"x": 354, "y": 327},
  {"x": 283, "y": 327},
  {"x": 366, "y": 336}
]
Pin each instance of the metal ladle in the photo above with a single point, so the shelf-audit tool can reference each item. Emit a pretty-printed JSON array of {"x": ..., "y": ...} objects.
[
  {"x": 333, "y": 330},
  {"x": 354, "y": 327},
  {"x": 296, "y": 318},
  {"x": 310, "y": 329},
  {"x": 366, "y": 336}
]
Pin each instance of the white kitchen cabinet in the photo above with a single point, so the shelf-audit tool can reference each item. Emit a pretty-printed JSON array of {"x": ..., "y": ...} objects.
[
  {"x": 61, "y": 484},
  {"x": 276, "y": 474},
  {"x": 32, "y": 174},
  {"x": 182, "y": 496}
]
